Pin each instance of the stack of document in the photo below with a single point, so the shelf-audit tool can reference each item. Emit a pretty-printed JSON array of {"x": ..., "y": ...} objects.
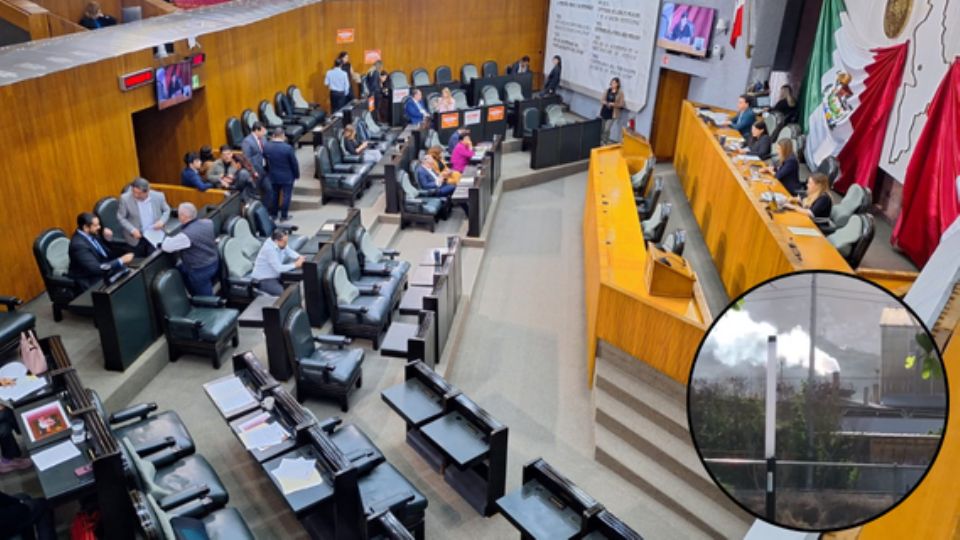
[
  {"x": 260, "y": 433},
  {"x": 715, "y": 117},
  {"x": 230, "y": 395},
  {"x": 297, "y": 474},
  {"x": 466, "y": 181},
  {"x": 23, "y": 384}
]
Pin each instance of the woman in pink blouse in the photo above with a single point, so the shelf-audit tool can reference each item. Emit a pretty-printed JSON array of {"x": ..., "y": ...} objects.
[{"x": 462, "y": 154}]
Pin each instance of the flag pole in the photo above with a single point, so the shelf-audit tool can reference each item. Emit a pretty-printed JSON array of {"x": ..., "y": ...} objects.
[{"x": 770, "y": 431}]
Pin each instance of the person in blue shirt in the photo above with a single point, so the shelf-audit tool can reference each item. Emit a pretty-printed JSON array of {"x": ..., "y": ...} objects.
[
  {"x": 682, "y": 32},
  {"x": 455, "y": 139},
  {"x": 414, "y": 108},
  {"x": 338, "y": 82},
  {"x": 190, "y": 176},
  {"x": 429, "y": 181},
  {"x": 274, "y": 259},
  {"x": 744, "y": 119}
]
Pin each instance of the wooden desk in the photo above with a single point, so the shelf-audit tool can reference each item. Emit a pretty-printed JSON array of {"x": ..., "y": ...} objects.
[
  {"x": 748, "y": 245},
  {"x": 662, "y": 331}
]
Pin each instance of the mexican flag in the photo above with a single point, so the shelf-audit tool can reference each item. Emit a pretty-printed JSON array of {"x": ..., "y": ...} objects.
[{"x": 834, "y": 80}]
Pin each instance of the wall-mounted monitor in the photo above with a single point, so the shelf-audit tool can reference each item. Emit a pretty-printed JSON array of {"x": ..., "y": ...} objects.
[
  {"x": 174, "y": 84},
  {"x": 686, "y": 29}
]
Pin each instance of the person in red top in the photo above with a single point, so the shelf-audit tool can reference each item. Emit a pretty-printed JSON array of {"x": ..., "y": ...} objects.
[{"x": 462, "y": 154}]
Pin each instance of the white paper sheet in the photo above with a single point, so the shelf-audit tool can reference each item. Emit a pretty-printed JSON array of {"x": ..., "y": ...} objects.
[
  {"x": 805, "y": 231},
  {"x": 154, "y": 236},
  {"x": 263, "y": 436},
  {"x": 23, "y": 385},
  {"x": 230, "y": 395},
  {"x": 55, "y": 455},
  {"x": 297, "y": 474}
]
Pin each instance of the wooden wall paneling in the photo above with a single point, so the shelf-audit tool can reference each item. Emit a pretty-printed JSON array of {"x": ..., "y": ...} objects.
[
  {"x": 671, "y": 93},
  {"x": 27, "y": 16}
]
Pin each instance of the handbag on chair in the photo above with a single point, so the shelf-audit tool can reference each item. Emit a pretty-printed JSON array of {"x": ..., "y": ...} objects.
[{"x": 31, "y": 354}]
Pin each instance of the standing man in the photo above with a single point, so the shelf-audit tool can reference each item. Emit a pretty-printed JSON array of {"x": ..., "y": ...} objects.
[
  {"x": 89, "y": 258},
  {"x": 197, "y": 245},
  {"x": 142, "y": 215},
  {"x": 274, "y": 259},
  {"x": 338, "y": 82},
  {"x": 252, "y": 147},
  {"x": 284, "y": 170}
]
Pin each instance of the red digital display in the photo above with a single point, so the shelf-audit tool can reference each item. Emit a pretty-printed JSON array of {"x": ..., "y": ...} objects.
[
  {"x": 198, "y": 59},
  {"x": 134, "y": 80}
]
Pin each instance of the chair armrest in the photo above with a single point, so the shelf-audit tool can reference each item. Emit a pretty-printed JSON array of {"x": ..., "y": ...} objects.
[
  {"x": 391, "y": 253},
  {"x": 156, "y": 446},
  {"x": 141, "y": 411},
  {"x": 197, "y": 508},
  {"x": 162, "y": 458},
  {"x": 372, "y": 290},
  {"x": 381, "y": 272},
  {"x": 184, "y": 326},
  {"x": 191, "y": 492},
  {"x": 346, "y": 308},
  {"x": 11, "y": 302},
  {"x": 288, "y": 228},
  {"x": 339, "y": 341},
  {"x": 825, "y": 224},
  {"x": 397, "y": 501},
  {"x": 350, "y": 158},
  {"x": 330, "y": 424},
  {"x": 208, "y": 301},
  {"x": 427, "y": 192},
  {"x": 61, "y": 281}
]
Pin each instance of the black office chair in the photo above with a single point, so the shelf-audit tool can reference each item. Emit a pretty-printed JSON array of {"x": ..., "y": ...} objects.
[
  {"x": 247, "y": 119},
  {"x": 375, "y": 131},
  {"x": 345, "y": 164},
  {"x": 856, "y": 201},
  {"x": 460, "y": 99},
  {"x": 654, "y": 227},
  {"x": 398, "y": 79},
  {"x": 376, "y": 259},
  {"x": 269, "y": 117},
  {"x": 389, "y": 285},
  {"x": 106, "y": 211},
  {"x": 531, "y": 121},
  {"x": 853, "y": 239},
  {"x": 321, "y": 372},
  {"x": 417, "y": 208},
  {"x": 513, "y": 91},
  {"x": 303, "y": 107},
  {"x": 420, "y": 77},
  {"x": 356, "y": 311},
  {"x": 197, "y": 518},
  {"x": 171, "y": 481},
  {"x": 443, "y": 74},
  {"x": 490, "y": 95},
  {"x": 52, "y": 252},
  {"x": 199, "y": 324},
  {"x": 641, "y": 179},
  {"x": 336, "y": 185},
  {"x": 674, "y": 242},
  {"x": 433, "y": 99},
  {"x": 157, "y": 437},
  {"x": 12, "y": 323},
  {"x": 239, "y": 228},
  {"x": 490, "y": 69},
  {"x": 263, "y": 226},
  {"x": 645, "y": 205},
  {"x": 234, "y": 133},
  {"x": 284, "y": 108},
  {"x": 236, "y": 272},
  {"x": 468, "y": 73}
]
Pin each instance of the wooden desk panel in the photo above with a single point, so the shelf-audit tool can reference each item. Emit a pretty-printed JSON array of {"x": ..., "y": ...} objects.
[
  {"x": 748, "y": 244},
  {"x": 661, "y": 331}
]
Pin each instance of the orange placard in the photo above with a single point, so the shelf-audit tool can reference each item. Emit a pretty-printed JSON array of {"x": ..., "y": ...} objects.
[
  {"x": 371, "y": 56},
  {"x": 495, "y": 114},
  {"x": 371, "y": 104},
  {"x": 449, "y": 120},
  {"x": 345, "y": 35}
]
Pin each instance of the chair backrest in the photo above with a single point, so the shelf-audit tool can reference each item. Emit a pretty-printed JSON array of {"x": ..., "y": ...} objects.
[
  {"x": 468, "y": 73},
  {"x": 282, "y": 104},
  {"x": 531, "y": 120},
  {"x": 171, "y": 294},
  {"x": 514, "y": 91},
  {"x": 340, "y": 290},
  {"x": 847, "y": 236},
  {"x": 654, "y": 227},
  {"x": 554, "y": 115},
  {"x": 420, "y": 77},
  {"x": 675, "y": 242},
  {"x": 235, "y": 262},
  {"x": 321, "y": 161},
  {"x": 268, "y": 114},
  {"x": 260, "y": 219},
  {"x": 490, "y": 95},
  {"x": 371, "y": 124},
  {"x": 350, "y": 259},
  {"x": 443, "y": 74},
  {"x": 333, "y": 148},
  {"x": 234, "y": 132},
  {"x": 460, "y": 98},
  {"x": 370, "y": 251},
  {"x": 297, "y": 98},
  {"x": 863, "y": 243},
  {"x": 831, "y": 168},
  {"x": 398, "y": 79},
  {"x": 52, "y": 251},
  {"x": 432, "y": 139},
  {"x": 409, "y": 191},
  {"x": 850, "y": 204},
  {"x": 298, "y": 335},
  {"x": 247, "y": 119},
  {"x": 490, "y": 69},
  {"x": 432, "y": 100},
  {"x": 106, "y": 209},
  {"x": 655, "y": 194},
  {"x": 773, "y": 120},
  {"x": 249, "y": 243}
]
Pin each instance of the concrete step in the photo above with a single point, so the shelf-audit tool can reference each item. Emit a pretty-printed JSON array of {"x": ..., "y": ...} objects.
[
  {"x": 643, "y": 372},
  {"x": 687, "y": 502},
  {"x": 384, "y": 234},
  {"x": 307, "y": 187},
  {"x": 658, "y": 406}
]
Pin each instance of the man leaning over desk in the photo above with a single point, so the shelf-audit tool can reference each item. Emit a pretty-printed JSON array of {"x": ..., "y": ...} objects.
[{"x": 142, "y": 213}]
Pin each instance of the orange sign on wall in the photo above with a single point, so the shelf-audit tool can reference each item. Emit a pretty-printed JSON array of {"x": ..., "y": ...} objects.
[
  {"x": 345, "y": 35},
  {"x": 495, "y": 114},
  {"x": 371, "y": 56},
  {"x": 449, "y": 120}
]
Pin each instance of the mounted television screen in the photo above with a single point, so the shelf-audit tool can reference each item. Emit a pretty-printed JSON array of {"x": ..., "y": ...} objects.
[
  {"x": 173, "y": 84},
  {"x": 686, "y": 29}
]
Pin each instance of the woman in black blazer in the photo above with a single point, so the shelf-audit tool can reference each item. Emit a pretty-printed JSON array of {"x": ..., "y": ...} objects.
[
  {"x": 788, "y": 173},
  {"x": 553, "y": 79},
  {"x": 817, "y": 203}
]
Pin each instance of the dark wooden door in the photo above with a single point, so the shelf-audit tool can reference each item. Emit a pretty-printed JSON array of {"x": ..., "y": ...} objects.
[{"x": 671, "y": 92}]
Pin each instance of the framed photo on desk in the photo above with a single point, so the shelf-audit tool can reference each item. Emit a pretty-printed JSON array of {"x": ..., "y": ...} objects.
[{"x": 43, "y": 422}]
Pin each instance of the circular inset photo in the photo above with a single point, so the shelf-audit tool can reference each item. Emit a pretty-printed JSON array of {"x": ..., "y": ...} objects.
[{"x": 817, "y": 401}]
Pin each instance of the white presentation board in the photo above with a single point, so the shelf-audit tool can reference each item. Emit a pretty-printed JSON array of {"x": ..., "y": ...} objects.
[{"x": 602, "y": 39}]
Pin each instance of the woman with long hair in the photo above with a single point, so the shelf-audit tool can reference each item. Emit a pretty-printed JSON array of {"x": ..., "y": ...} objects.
[
  {"x": 553, "y": 79},
  {"x": 788, "y": 172},
  {"x": 611, "y": 104},
  {"x": 787, "y": 105},
  {"x": 817, "y": 203}
]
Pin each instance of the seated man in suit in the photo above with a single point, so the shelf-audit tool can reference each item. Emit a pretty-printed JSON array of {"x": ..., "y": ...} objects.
[
  {"x": 223, "y": 171},
  {"x": 430, "y": 181},
  {"x": 414, "y": 108},
  {"x": 274, "y": 259},
  {"x": 190, "y": 176},
  {"x": 142, "y": 214},
  {"x": 88, "y": 254},
  {"x": 520, "y": 66},
  {"x": 744, "y": 119},
  {"x": 682, "y": 31}
]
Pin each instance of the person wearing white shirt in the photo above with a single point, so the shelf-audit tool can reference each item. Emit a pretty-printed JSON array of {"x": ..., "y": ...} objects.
[
  {"x": 338, "y": 82},
  {"x": 274, "y": 259}
]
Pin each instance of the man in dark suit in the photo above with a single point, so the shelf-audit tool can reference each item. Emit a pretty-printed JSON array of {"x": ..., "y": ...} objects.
[
  {"x": 252, "y": 147},
  {"x": 520, "y": 66},
  {"x": 414, "y": 108},
  {"x": 284, "y": 170},
  {"x": 88, "y": 254}
]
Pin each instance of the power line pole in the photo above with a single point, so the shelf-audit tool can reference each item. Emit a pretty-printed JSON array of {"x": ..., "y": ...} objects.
[{"x": 810, "y": 377}]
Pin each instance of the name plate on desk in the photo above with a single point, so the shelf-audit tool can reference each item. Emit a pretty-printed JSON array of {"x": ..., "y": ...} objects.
[{"x": 668, "y": 274}]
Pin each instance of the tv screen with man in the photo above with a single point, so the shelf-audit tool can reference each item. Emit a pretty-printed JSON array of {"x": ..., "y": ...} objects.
[
  {"x": 174, "y": 84},
  {"x": 686, "y": 29}
]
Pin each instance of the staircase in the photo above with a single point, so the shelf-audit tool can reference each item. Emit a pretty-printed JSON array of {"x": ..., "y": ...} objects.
[{"x": 641, "y": 434}]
